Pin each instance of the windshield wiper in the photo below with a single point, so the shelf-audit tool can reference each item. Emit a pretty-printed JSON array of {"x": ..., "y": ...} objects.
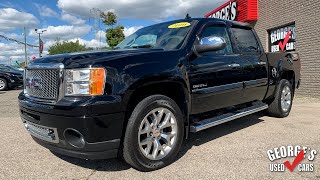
[{"x": 143, "y": 46}]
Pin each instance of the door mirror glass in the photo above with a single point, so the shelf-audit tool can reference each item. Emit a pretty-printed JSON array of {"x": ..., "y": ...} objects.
[{"x": 211, "y": 43}]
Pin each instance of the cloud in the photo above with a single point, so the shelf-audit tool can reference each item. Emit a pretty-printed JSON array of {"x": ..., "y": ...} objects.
[
  {"x": 94, "y": 43},
  {"x": 142, "y": 9},
  {"x": 14, "y": 49},
  {"x": 63, "y": 32},
  {"x": 100, "y": 34},
  {"x": 130, "y": 30},
  {"x": 72, "y": 19},
  {"x": 11, "y": 19},
  {"x": 15, "y": 52},
  {"x": 46, "y": 11},
  {"x": 12, "y": 35},
  {"x": 127, "y": 31}
]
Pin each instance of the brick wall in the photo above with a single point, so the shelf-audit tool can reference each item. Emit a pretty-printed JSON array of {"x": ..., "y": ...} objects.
[{"x": 305, "y": 14}]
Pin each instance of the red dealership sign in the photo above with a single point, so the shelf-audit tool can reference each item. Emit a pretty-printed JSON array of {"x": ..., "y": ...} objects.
[{"x": 236, "y": 10}]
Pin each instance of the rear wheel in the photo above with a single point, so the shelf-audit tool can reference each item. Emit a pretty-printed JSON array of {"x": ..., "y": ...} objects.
[
  {"x": 154, "y": 133},
  {"x": 282, "y": 103},
  {"x": 3, "y": 84}
]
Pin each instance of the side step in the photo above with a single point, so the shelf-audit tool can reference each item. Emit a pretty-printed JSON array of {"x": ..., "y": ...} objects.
[{"x": 214, "y": 121}]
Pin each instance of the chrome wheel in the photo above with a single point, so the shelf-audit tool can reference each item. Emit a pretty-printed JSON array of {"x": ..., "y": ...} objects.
[
  {"x": 286, "y": 98},
  {"x": 2, "y": 84},
  {"x": 157, "y": 134}
]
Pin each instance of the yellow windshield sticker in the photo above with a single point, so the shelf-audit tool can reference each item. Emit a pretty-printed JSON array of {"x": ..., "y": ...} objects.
[{"x": 179, "y": 25}]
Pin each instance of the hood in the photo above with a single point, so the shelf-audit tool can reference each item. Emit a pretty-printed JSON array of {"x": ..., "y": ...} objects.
[
  {"x": 85, "y": 59},
  {"x": 18, "y": 73}
]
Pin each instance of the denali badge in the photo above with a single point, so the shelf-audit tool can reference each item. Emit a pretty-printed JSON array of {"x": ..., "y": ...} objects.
[
  {"x": 34, "y": 83},
  {"x": 199, "y": 86}
]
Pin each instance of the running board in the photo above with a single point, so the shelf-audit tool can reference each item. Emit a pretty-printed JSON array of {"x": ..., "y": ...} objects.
[{"x": 214, "y": 121}]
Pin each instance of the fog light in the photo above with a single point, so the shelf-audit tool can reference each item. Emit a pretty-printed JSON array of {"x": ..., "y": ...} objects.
[{"x": 74, "y": 138}]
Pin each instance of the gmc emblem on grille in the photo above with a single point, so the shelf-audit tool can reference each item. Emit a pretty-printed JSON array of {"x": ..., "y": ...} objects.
[{"x": 34, "y": 83}]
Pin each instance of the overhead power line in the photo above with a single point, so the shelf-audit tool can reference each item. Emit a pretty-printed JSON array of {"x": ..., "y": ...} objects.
[{"x": 19, "y": 42}]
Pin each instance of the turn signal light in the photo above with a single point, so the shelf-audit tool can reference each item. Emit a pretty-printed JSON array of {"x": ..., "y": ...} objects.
[{"x": 97, "y": 79}]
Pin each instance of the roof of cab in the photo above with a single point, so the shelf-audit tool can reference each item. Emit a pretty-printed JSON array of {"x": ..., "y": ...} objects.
[{"x": 235, "y": 23}]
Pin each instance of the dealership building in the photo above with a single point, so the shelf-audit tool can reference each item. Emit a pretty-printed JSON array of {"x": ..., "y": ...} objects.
[{"x": 273, "y": 19}]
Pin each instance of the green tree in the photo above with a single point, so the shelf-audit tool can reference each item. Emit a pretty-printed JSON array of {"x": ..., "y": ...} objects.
[
  {"x": 66, "y": 47},
  {"x": 109, "y": 18},
  {"x": 22, "y": 64},
  {"x": 114, "y": 35}
]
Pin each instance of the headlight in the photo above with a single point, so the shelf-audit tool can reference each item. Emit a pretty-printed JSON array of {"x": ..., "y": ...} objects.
[{"x": 85, "y": 81}]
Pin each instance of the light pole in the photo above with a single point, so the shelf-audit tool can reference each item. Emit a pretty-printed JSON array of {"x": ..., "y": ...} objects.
[
  {"x": 25, "y": 47},
  {"x": 40, "y": 32}
]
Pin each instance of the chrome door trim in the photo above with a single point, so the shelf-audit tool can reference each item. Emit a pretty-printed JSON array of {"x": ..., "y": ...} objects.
[
  {"x": 256, "y": 83},
  {"x": 219, "y": 89}
]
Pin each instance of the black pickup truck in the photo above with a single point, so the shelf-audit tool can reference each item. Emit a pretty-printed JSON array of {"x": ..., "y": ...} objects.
[{"x": 142, "y": 99}]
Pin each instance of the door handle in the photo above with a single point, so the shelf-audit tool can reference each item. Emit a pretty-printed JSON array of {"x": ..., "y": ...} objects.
[{"x": 234, "y": 65}]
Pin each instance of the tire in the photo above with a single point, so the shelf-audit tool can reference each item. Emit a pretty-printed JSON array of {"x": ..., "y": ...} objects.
[
  {"x": 3, "y": 84},
  {"x": 280, "y": 106},
  {"x": 146, "y": 157}
]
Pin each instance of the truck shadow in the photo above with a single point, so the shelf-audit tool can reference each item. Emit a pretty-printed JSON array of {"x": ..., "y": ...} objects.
[
  {"x": 195, "y": 139},
  {"x": 202, "y": 137}
]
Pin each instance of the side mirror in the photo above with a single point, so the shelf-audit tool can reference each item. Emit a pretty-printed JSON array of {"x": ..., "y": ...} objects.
[{"x": 211, "y": 43}]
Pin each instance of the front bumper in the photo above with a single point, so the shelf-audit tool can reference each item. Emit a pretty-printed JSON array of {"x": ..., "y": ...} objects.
[
  {"x": 108, "y": 149},
  {"x": 101, "y": 133}
]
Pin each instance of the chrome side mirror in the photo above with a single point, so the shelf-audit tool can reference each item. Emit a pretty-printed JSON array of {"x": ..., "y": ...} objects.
[{"x": 211, "y": 43}]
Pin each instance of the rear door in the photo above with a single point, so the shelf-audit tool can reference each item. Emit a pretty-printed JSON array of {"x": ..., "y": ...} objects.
[
  {"x": 256, "y": 70},
  {"x": 216, "y": 78}
]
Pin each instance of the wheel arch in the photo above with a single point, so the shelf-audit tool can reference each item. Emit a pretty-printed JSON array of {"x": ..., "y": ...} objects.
[
  {"x": 290, "y": 76},
  {"x": 177, "y": 90},
  {"x": 6, "y": 78}
]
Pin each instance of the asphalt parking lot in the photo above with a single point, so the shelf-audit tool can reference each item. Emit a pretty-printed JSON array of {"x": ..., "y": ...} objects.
[{"x": 235, "y": 150}]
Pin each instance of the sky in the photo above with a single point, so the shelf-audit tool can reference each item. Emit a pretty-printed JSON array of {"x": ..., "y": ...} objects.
[{"x": 73, "y": 20}]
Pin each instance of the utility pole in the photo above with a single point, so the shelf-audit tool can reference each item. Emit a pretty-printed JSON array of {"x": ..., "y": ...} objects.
[
  {"x": 40, "y": 32},
  {"x": 25, "y": 46},
  {"x": 96, "y": 12}
]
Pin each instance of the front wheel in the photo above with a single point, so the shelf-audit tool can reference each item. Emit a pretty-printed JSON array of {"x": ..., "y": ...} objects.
[
  {"x": 3, "y": 84},
  {"x": 282, "y": 103},
  {"x": 154, "y": 133}
]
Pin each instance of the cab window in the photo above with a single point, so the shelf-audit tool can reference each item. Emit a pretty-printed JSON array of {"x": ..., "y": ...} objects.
[
  {"x": 219, "y": 31},
  {"x": 245, "y": 40}
]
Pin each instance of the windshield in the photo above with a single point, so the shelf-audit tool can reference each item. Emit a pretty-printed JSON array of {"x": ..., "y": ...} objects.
[{"x": 166, "y": 36}]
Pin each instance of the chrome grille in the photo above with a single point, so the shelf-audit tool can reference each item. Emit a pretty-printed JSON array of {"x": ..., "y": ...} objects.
[{"x": 42, "y": 83}]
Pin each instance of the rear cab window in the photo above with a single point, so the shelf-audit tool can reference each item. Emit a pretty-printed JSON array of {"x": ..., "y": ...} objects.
[{"x": 245, "y": 40}]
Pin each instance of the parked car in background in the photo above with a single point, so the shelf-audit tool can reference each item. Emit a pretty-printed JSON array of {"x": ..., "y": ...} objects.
[{"x": 10, "y": 77}]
